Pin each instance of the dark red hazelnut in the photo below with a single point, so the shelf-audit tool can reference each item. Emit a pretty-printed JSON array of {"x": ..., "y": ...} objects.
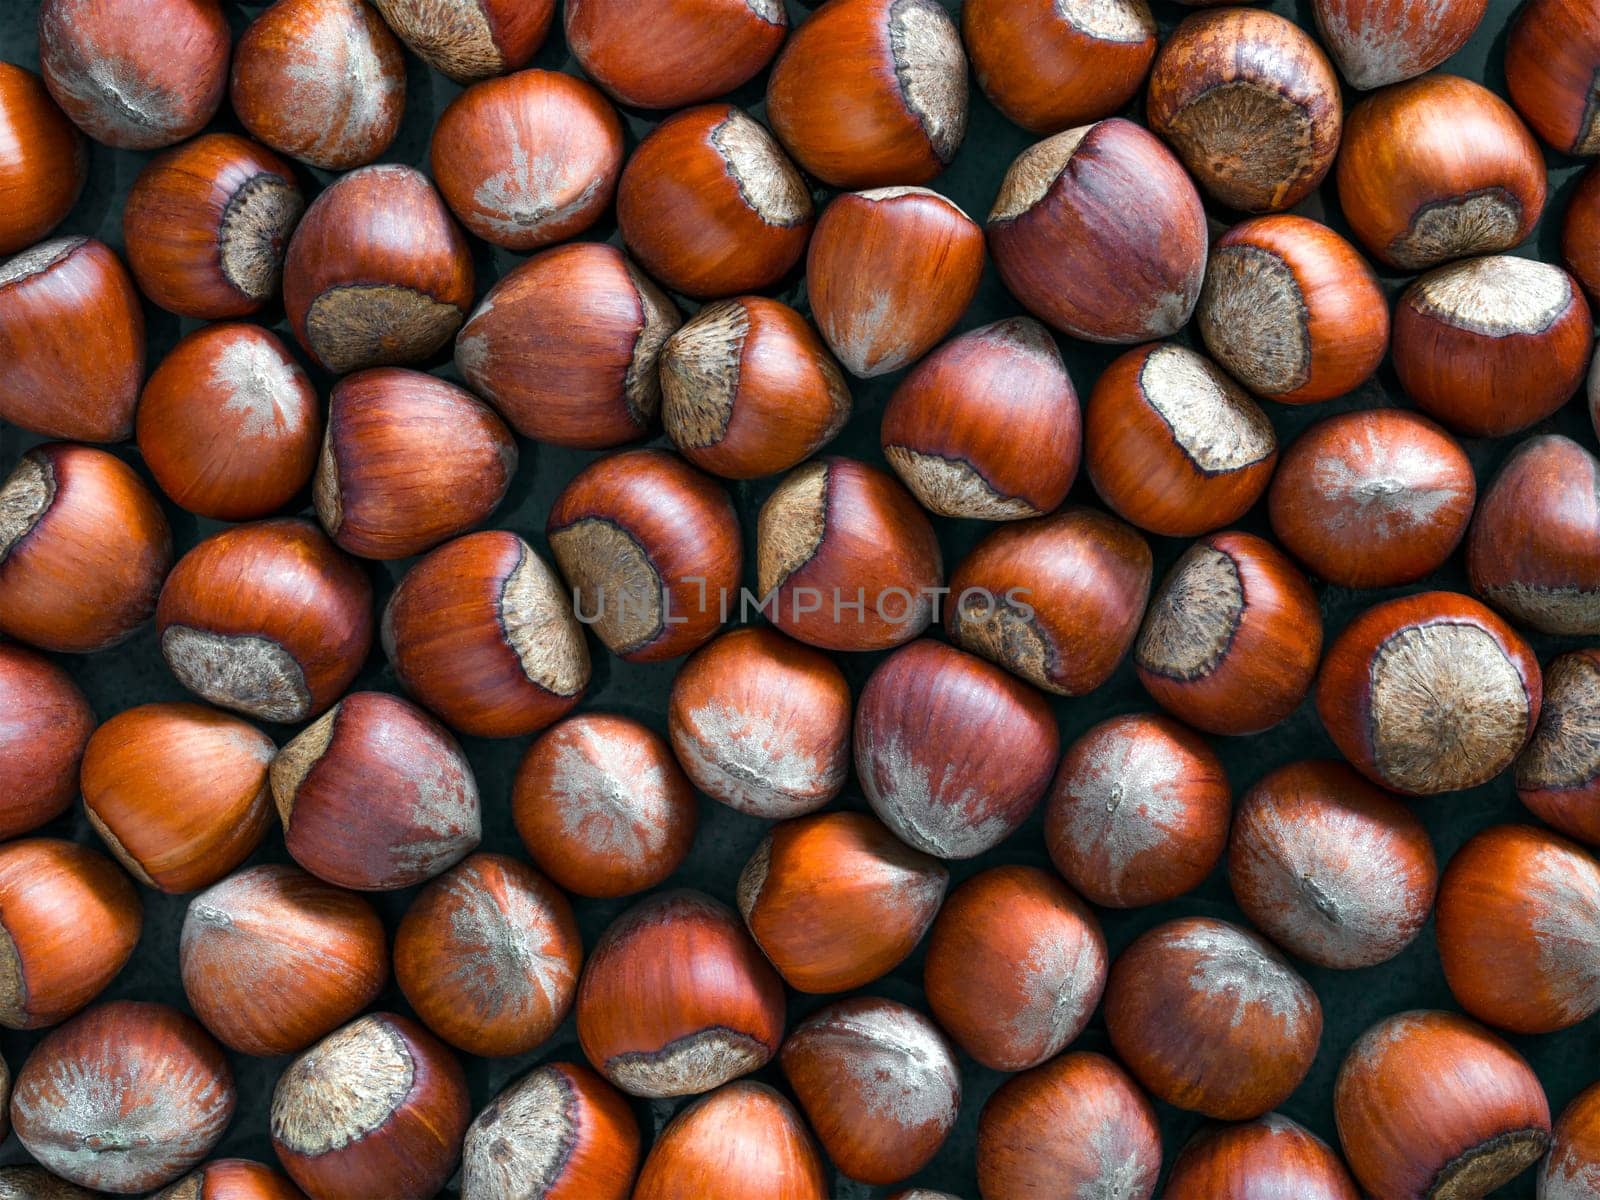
[
  {"x": 1375, "y": 42},
  {"x": 1580, "y": 232},
  {"x": 45, "y": 722},
  {"x": 1552, "y": 56},
  {"x": 1558, "y": 774},
  {"x": 1574, "y": 1160},
  {"x": 43, "y": 165},
  {"x": 471, "y": 40},
  {"x": 741, "y": 1141},
  {"x": 1271, "y": 1153}
]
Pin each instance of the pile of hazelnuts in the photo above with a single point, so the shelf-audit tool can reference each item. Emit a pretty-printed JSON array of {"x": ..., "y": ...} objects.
[{"x": 316, "y": 522}]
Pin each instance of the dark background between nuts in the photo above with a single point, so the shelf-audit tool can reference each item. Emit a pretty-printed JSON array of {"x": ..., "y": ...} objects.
[{"x": 134, "y": 673}]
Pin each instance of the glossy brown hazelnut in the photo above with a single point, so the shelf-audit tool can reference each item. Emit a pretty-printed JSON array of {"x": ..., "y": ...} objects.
[
  {"x": 407, "y": 462},
  {"x": 878, "y": 1082},
  {"x": 178, "y": 792},
  {"x": 1099, "y": 232},
  {"x": 529, "y": 159},
  {"x": 45, "y": 722},
  {"x": 1552, "y": 55},
  {"x": 560, "y": 1130},
  {"x": 1492, "y": 345},
  {"x": 602, "y": 806},
  {"x": 1251, "y": 105},
  {"x": 229, "y": 423},
  {"x": 741, "y": 1141},
  {"x": 748, "y": 389},
  {"x": 676, "y": 999},
  {"x": 1138, "y": 812},
  {"x": 1232, "y": 637},
  {"x": 987, "y": 426},
  {"x": 378, "y": 1108},
  {"x": 44, "y": 161},
  {"x": 373, "y": 744},
  {"x": 269, "y": 619},
  {"x": 711, "y": 206},
  {"x": 673, "y": 53},
  {"x": 488, "y": 955},
  {"x": 1438, "y": 168},
  {"x": 1056, "y": 600},
  {"x": 377, "y": 274},
  {"x": 1211, "y": 1018},
  {"x": 652, "y": 550},
  {"x": 836, "y": 901},
  {"x": 1558, "y": 774},
  {"x": 100, "y": 1101},
  {"x": 1016, "y": 964},
  {"x": 84, "y": 547},
  {"x": 69, "y": 920},
  {"x": 1430, "y": 1104},
  {"x": 1429, "y": 693},
  {"x": 35, "y": 1183},
  {"x": 762, "y": 723},
  {"x": 135, "y": 83},
  {"x": 273, "y": 959},
  {"x": 71, "y": 341},
  {"x": 1237, "y": 1162},
  {"x": 1077, "y": 1122},
  {"x": 482, "y": 633},
  {"x": 1334, "y": 870},
  {"x": 1517, "y": 929},
  {"x": 1580, "y": 232},
  {"x": 889, "y": 272},
  {"x": 869, "y": 93},
  {"x": 1574, "y": 1158},
  {"x": 1375, "y": 42},
  {"x": 1050, "y": 66},
  {"x": 952, "y": 752},
  {"x": 1291, "y": 310},
  {"x": 472, "y": 40},
  {"x": 845, "y": 559},
  {"x": 565, "y": 346},
  {"x": 207, "y": 223},
  {"x": 1173, "y": 445},
  {"x": 1374, "y": 498},
  {"x": 1534, "y": 549},
  {"x": 232, "y": 1179},
  {"x": 323, "y": 81}
]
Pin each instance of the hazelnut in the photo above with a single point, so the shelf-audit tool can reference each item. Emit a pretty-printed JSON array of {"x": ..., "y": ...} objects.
[
  {"x": 481, "y": 632},
  {"x": 565, "y": 346},
  {"x": 273, "y": 959},
  {"x": 741, "y": 1141},
  {"x": 472, "y": 40},
  {"x": 1055, "y": 600},
  {"x": 1211, "y": 1018},
  {"x": 1580, "y": 232},
  {"x": 378, "y": 1108},
  {"x": 1016, "y": 964},
  {"x": 372, "y": 744},
  {"x": 1552, "y": 54},
  {"x": 710, "y": 205},
  {"x": 1231, "y": 640},
  {"x": 1429, "y": 693},
  {"x": 1438, "y": 168},
  {"x": 84, "y": 547},
  {"x": 1098, "y": 232},
  {"x": 1173, "y": 445},
  {"x": 269, "y": 619},
  {"x": 529, "y": 159},
  {"x": 124, "y": 1098},
  {"x": 206, "y": 225},
  {"x": 836, "y": 901},
  {"x": 676, "y": 1000},
  {"x": 1431, "y": 1104},
  {"x": 232, "y": 1179},
  {"x": 889, "y": 272},
  {"x": 762, "y": 723},
  {"x": 1375, "y": 42},
  {"x": 35, "y": 1183},
  {"x": 953, "y": 754},
  {"x": 1372, "y": 499},
  {"x": 845, "y": 558},
  {"x": 748, "y": 389},
  {"x": 602, "y": 806},
  {"x": 1271, "y": 1152},
  {"x": 1331, "y": 868},
  {"x": 879, "y": 1084},
  {"x": 1558, "y": 774},
  {"x": 178, "y": 792},
  {"x": 987, "y": 426},
  {"x": 44, "y": 165},
  {"x": 1138, "y": 813},
  {"x": 45, "y": 722},
  {"x": 1574, "y": 1148},
  {"x": 323, "y": 81},
  {"x": 72, "y": 340},
  {"x": 377, "y": 273},
  {"x": 1291, "y": 310}
]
